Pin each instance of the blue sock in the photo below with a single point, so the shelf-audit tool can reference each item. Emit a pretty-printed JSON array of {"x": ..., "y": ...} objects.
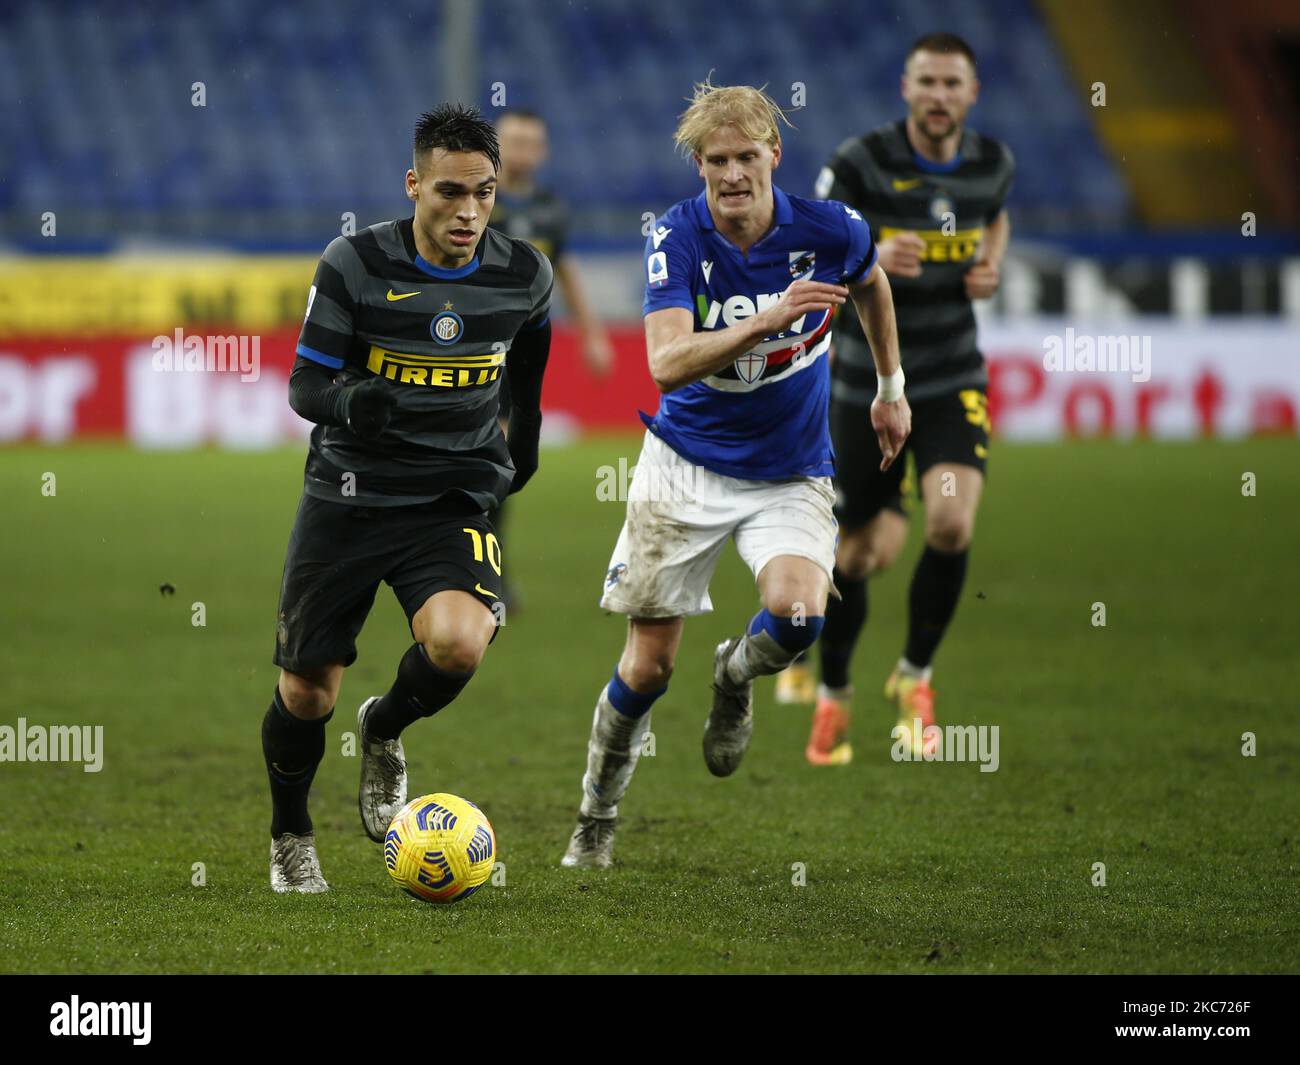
[
  {"x": 630, "y": 703},
  {"x": 790, "y": 635}
]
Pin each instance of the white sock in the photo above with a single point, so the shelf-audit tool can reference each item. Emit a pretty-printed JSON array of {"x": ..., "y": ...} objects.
[
  {"x": 756, "y": 656},
  {"x": 612, "y": 753},
  {"x": 840, "y": 695},
  {"x": 918, "y": 672}
]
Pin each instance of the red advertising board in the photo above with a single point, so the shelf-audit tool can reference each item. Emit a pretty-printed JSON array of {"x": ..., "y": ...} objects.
[{"x": 1209, "y": 379}]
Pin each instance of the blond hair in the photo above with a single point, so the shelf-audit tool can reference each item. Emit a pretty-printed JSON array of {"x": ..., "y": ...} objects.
[{"x": 750, "y": 110}]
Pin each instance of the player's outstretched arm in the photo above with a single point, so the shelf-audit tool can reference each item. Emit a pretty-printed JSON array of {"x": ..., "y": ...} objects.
[
  {"x": 891, "y": 416},
  {"x": 596, "y": 350},
  {"x": 526, "y": 365},
  {"x": 365, "y": 408},
  {"x": 679, "y": 356}
]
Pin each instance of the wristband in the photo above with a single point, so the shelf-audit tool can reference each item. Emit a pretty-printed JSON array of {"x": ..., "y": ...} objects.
[{"x": 890, "y": 386}]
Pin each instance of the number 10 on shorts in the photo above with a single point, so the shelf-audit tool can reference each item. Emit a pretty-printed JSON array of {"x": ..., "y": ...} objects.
[{"x": 493, "y": 548}]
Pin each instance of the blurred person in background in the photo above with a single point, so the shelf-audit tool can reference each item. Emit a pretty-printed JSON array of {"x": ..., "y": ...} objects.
[
  {"x": 933, "y": 191},
  {"x": 528, "y": 211}
]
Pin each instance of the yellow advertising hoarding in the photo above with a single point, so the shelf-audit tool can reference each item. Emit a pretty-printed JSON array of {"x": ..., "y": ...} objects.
[{"x": 148, "y": 295}]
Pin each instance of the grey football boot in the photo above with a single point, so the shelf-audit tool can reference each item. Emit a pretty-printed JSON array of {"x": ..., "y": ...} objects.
[
  {"x": 592, "y": 844},
  {"x": 295, "y": 866},
  {"x": 383, "y": 778},
  {"x": 731, "y": 721}
]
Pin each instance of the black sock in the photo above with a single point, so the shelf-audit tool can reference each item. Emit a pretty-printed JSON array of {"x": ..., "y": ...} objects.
[
  {"x": 844, "y": 620},
  {"x": 420, "y": 690},
  {"x": 293, "y": 748},
  {"x": 932, "y": 601}
]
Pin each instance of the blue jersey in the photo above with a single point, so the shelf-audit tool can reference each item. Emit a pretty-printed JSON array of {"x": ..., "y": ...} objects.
[{"x": 764, "y": 417}]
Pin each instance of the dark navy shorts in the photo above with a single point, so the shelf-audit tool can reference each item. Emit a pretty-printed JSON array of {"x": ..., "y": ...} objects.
[
  {"x": 339, "y": 554},
  {"x": 950, "y": 429}
]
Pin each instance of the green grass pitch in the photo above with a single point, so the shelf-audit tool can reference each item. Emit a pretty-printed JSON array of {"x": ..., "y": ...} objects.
[{"x": 1119, "y": 744}]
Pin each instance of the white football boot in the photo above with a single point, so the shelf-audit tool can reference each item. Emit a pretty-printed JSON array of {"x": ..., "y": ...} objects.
[
  {"x": 592, "y": 844},
  {"x": 295, "y": 866},
  {"x": 612, "y": 754},
  {"x": 731, "y": 721},
  {"x": 383, "y": 778}
]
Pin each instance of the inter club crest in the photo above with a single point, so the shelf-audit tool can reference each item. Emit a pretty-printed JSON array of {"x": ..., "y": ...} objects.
[
  {"x": 750, "y": 366},
  {"x": 447, "y": 327}
]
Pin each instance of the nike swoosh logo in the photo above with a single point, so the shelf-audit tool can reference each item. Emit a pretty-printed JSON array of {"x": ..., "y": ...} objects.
[
  {"x": 393, "y": 297},
  {"x": 483, "y": 591},
  {"x": 903, "y": 184}
]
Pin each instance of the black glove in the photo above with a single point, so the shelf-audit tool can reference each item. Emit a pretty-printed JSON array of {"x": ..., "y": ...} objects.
[
  {"x": 522, "y": 436},
  {"x": 369, "y": 408}
]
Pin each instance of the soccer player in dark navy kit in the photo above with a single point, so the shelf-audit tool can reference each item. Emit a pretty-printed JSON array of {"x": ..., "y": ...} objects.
[
  {"x": 528, "y": 210},
  {"x": 536, "y": 214},
  {"x": 410, "y": 325},
  {"x": 933, "y": 191}
]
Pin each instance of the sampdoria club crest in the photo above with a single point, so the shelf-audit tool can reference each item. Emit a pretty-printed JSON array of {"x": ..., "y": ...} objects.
[{"x": 750, "y": 366}]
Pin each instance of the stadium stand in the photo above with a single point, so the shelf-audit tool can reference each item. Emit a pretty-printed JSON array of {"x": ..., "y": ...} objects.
[{"x": 308, "y": 108}]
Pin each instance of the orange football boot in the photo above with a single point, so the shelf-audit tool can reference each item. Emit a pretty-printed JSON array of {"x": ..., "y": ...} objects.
[
  {"x": 913, "y": 698},
  {"x": 829, "y": 742}
]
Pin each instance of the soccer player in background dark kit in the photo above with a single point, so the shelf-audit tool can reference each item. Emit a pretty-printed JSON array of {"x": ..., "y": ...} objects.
[
  {"x": 527, "y": 211},
  {"x": 530, "y": 212},
  {"x": 933, "y": 191},
  {"x": 409, "y": 327}
]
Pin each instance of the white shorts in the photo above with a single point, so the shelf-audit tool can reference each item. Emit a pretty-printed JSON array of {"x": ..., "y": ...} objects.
[{"x": 679, "y": 516}]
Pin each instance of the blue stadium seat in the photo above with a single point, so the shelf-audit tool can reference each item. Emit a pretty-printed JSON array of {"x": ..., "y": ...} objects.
[{"x": 309, "y": 108}]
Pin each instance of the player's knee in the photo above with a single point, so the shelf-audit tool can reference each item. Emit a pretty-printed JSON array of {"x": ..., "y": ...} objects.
[
  {"x": 787, "y": 603},
  {"x": 950, "y": 533},
  {"x": 854, "y": 565},
  {"x": 882, "y": 555},
  {"x": 646, "y": 667},
  {"x": 853, "y": 555},
  {"x": 456, "y": 652},
  {"x": 645, "y": 673},
  {"x": 305, "y": 697},
  {"x": 454, "y": 629},
  {"x": 646, "y": 664},
  {"x": 877, "y": 562},
  {"x": 455, "y": 636}
]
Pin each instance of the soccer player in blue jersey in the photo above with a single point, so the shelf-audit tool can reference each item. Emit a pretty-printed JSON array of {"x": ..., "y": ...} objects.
[{"x": 741, "y": 282}]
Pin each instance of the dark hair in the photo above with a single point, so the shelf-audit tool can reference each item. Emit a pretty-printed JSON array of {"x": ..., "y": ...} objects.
[
  {"x": 456, "y": 129},
  {"x": 942, "y": 44}
]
